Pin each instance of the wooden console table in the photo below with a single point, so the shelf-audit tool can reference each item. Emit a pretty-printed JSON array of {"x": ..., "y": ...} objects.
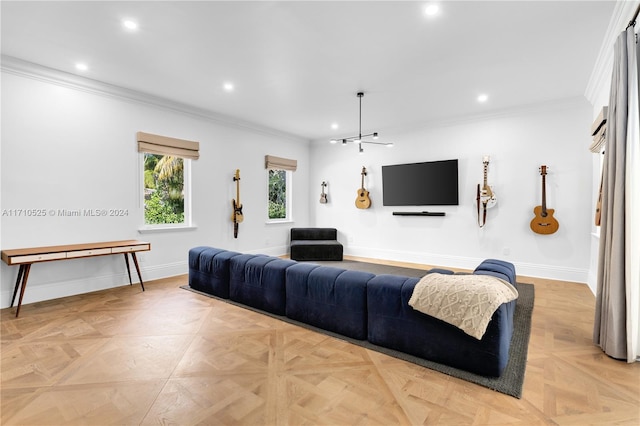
[{"x": 25, "y": 257}]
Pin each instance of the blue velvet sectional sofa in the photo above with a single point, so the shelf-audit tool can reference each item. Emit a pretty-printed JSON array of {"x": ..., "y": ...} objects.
[{"x": 356, "y": 304}]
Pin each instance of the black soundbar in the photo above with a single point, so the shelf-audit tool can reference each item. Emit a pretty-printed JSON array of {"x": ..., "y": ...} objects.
[{"x": 418, "y": 213}]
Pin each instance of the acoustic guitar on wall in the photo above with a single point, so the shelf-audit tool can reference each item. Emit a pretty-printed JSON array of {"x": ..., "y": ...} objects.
[
  {"x": 544, "y": 222},
  {"x": 362, "y": 200},
  {"x": 323, "y": 195},
  {"x": 237, "y": 215}
]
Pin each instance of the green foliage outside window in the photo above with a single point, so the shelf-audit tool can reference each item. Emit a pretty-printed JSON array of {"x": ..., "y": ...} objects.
[
  {"x": 277, "y": 194},
  {"x": 163, "y": 189}
]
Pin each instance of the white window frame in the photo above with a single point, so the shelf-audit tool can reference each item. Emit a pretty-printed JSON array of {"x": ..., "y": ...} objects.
[
  {"x": 187, "y": 224},
  {"x": 288, "y": 193}
]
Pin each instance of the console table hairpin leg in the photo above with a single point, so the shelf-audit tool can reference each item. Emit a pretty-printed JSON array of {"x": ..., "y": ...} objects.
[
  {"x": 23, "y": 275},
  {"x": 135, "y": 263}
]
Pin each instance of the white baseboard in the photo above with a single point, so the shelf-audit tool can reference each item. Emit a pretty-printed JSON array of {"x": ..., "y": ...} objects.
[
  {"x": 271, "y": 251},
  {"x": 55, "y": 290},
  {"x": 552, "y": 272},
  {"x": 522, "y": 269}
]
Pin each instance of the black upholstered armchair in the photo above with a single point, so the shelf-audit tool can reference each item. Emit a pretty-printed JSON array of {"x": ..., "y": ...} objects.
[{"x": 315, "y": 244}]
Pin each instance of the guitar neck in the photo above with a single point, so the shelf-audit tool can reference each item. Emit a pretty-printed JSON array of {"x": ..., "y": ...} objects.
[
  {"x": 485, "y": 175},
  {"x": 544, "y": 194},
  {"x": 237, "y": 179}
]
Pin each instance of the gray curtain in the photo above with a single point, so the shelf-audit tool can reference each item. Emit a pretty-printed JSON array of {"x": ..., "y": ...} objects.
[{"x": 611, "y": 326}]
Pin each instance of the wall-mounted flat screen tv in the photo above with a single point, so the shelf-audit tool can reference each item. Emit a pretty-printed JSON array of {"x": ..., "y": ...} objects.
[{"x": 433, "y": 183}]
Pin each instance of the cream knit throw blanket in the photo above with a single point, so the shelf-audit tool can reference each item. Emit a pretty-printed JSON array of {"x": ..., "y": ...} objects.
[{"x": 466, "y": 301}]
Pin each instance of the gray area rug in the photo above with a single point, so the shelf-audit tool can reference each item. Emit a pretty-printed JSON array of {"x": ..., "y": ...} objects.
[
  {"x": 373, "y": 268},
  {"x": 512, "y": 379}
]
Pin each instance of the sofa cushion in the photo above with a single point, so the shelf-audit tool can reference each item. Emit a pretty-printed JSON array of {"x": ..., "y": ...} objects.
[
  {"x": 330, "y": 298},
  {"x": 209, "y": 270},
  {"x": 497, "y": 268},
  {"x": 316, "y": 250},
  {"x": 314, "y": 234},
  {"x": 258, "y": 281}
]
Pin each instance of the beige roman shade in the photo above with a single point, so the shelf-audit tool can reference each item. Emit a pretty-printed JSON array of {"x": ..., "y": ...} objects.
[
  {"x": 278, "y": 163},
  {"x": 163, "y": 145}
]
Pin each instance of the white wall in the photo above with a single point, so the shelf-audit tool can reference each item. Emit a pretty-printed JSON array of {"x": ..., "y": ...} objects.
[
  {"x": 69, "y": 147},
  {"x": 518, "y": 141}
]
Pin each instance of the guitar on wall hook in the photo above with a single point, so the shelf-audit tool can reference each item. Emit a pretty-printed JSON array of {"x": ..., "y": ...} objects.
[
  {"x": 485, "y": 197},
  {"x": 323, "y": 195},
  {"x": 237, "y": 215},
  {"x": 544, "y": 222},
  {"x": 362, "y": 200}
]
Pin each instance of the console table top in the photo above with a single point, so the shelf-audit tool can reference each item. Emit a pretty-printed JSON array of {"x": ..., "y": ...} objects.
[{"x": 8, "y": 254}]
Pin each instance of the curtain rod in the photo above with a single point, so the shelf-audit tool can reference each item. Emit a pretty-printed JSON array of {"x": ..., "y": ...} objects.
[{"x": 632, "y": 23}]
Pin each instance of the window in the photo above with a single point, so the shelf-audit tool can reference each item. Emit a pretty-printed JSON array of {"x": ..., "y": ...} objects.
[
  {"x": 279, "y": 184},
  {"x": 166, "y": 166},
  {"x": 164, "y": 189},
  {"x": 279, "y": 177}
]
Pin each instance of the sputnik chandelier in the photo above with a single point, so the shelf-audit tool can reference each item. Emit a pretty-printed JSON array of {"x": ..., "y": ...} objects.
[{"x": 359, "y": 139}]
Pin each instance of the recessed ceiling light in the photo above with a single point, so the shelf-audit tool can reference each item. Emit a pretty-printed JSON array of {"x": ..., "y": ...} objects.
[
  {"x": 130, "y": 25},
  {"x": 82, "y": 66},
  {"x": 483, "y": 98},
  {"x": 228, "y": 87},
  {"x": 431, "y": 9},
  {"x": 334, "y": 126}
]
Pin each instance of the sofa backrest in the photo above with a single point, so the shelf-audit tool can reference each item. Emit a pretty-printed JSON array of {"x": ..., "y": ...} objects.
[
  {"x": 497, "y": 268},
  {"x": 314, "y": 234}
]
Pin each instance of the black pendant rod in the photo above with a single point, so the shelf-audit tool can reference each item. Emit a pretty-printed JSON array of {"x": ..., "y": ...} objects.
[{"x": 360, "y": 95}]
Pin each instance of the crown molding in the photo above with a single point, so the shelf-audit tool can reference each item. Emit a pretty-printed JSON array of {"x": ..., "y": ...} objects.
[
  {"x": 22, "y": 68},
  {"x": 601, "y": 73}
]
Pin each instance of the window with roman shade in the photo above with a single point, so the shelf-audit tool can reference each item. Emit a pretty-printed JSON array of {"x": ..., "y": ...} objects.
[
  {"x": 279, "y": 194},
  {"x": 166, "y": 165}
]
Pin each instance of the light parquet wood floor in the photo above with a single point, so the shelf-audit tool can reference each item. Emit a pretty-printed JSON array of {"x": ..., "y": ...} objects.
[{"x": 170, "y": 356}]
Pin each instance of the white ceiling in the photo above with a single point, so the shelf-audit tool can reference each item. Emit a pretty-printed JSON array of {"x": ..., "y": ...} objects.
[{"x": 297, "y": 65}]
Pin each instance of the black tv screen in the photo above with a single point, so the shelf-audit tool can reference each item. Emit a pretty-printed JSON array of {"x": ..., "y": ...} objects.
[{"x": 433, "y": 183}]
